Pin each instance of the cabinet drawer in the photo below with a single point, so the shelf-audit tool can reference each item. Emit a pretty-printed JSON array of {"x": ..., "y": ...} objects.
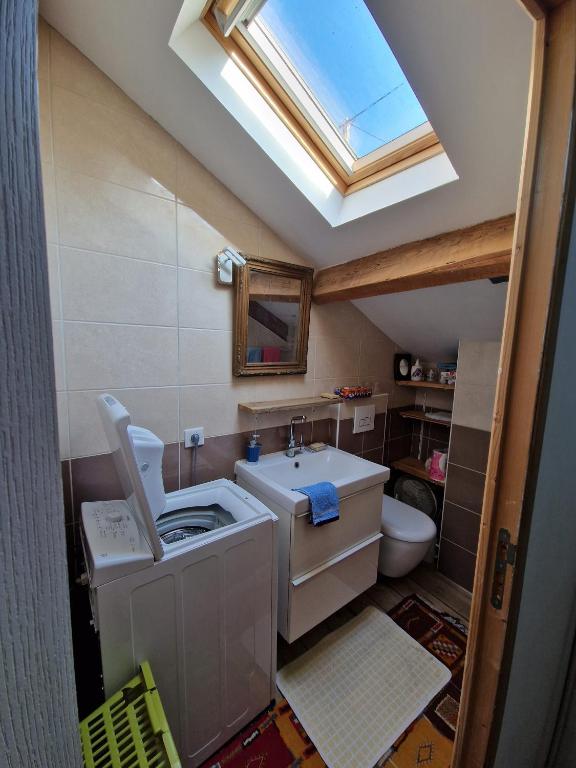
[
  {"x": 316, "y": 595},
  {"x": 359, "y": 520}
]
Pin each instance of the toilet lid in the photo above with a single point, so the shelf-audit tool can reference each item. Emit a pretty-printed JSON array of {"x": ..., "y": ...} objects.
[{"x": 404, "y": 523}]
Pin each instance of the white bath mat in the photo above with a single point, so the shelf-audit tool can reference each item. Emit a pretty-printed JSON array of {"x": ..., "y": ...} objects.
[{"x": 359, "y": 689}]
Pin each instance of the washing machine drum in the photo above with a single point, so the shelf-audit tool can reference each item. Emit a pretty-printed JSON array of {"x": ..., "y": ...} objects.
[
  {"x": 416, "y": 493},
  {"x": 192, "y": 521}
]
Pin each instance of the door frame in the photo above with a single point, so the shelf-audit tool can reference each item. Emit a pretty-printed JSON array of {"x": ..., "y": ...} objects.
[{"x": 535, "y": 252}]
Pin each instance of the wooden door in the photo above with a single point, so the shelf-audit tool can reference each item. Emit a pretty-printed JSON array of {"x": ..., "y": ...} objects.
[{"x": 534, "y": 258}]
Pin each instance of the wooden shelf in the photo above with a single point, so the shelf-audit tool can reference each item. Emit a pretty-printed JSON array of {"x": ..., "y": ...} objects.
[
  {"x": 426, "y": 385},
  {"x": 414, "y": 467},
  {"x": 421, "y": 416},
  {"x": 273, "y": 406}
]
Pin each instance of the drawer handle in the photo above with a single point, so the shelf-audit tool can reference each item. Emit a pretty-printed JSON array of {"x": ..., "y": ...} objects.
[{"x": 337, "y": 559}]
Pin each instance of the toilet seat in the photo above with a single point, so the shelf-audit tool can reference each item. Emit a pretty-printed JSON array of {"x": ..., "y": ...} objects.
[{"x": 401, "y": 522}]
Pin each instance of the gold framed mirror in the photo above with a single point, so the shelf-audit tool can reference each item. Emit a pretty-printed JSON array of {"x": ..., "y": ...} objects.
[{"x": 271, "y": 317}]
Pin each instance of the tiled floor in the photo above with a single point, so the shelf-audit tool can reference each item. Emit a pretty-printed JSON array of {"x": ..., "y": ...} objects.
[{"x": 438, "y": 591}]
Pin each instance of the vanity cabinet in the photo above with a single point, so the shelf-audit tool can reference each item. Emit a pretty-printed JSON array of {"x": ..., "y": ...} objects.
[{"x": 320, "y": 569}]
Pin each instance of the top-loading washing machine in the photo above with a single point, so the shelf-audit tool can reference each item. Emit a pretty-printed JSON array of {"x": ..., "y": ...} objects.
[{"x": 187, "y": 581}]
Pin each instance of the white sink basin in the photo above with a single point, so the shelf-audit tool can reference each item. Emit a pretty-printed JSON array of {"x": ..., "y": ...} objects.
[{"x": 275, "y": 475}]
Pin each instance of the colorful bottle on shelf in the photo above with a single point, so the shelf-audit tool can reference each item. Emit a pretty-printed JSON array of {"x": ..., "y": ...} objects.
[
  {"x": 417, "y": 373},
  {"x": 352, "y": 393},
  {"x": 253, "y": 449}
]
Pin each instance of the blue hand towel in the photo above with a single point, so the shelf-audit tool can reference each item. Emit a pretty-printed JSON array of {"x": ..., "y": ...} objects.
[{"x": 324, "y": 505}]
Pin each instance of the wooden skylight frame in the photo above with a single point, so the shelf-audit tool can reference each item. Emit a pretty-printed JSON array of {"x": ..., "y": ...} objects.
[{"x": 415, "y": 147}]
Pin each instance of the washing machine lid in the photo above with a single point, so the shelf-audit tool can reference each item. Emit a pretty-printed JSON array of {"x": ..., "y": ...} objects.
[
  {"x": 404, "y": 523},
  {"x": 137, "y": 455}
]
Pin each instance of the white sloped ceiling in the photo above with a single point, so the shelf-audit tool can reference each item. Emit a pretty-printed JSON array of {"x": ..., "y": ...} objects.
[{"x": 468, "y": 62}]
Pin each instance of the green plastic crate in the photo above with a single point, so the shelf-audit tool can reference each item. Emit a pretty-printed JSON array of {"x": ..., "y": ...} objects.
[{"x": 130, "y": 729}]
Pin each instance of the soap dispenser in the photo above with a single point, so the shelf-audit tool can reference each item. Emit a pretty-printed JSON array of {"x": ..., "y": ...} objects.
[{"x": 253, "y": 449}]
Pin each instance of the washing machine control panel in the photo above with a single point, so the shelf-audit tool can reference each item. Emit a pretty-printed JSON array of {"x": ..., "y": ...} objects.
[{"x": 113, "y": 543}]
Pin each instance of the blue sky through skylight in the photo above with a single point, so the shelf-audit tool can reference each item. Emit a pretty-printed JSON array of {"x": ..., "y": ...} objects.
[{"x": 341, "y": 54}]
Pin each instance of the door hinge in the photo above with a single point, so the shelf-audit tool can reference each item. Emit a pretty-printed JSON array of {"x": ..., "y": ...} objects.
[{"x": 505, "y": 556}]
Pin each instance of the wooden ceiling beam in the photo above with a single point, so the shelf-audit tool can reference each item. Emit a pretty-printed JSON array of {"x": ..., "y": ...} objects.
[{"x": 477, "y": 252}]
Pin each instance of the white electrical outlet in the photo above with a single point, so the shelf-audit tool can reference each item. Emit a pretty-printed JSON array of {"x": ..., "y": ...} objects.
[{"x": 189, "y": 433}]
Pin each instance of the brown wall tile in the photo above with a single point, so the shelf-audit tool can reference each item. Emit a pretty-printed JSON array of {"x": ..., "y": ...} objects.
[
  {"x": 73, "y": 552},
  {"x": 94, "y": 478},
  {"x": 438, "y": 432},
  {"x": 67, "y": 492},
  {"x": 457, "y": 564},
  {"x": 469, "y": 447},
  {"x": 375, "y": 438},
  {"x": 323, "y": 431},
  {"x": 437, "y": 445},
  {"x": 397, "y": 449},
  {"x": 216, "y": 458},
  {"x": 460, "y": 526},
  {"x": 415, "y": 445},
  {"x": 375, "y": 455},
  {"x": 398, "y": 426},
  {"x": 171, "y": 467},
  {"x": 348, "y": 441},
  {"x": 465, "y": 487}
]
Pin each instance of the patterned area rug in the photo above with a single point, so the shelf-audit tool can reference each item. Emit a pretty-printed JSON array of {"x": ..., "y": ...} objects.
[{"x": 277, "y": 740}]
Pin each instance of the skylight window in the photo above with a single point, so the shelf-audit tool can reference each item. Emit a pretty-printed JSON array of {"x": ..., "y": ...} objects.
[
  {"x": 327, "y": 71},
  {"x": 339, "y": 54}
]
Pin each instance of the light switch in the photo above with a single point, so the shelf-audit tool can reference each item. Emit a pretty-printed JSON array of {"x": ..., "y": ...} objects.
[{"x": 364, "y": 416}]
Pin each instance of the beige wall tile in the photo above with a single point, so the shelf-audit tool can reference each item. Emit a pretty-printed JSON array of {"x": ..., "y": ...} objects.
[
  {"x": 154, "y": 409},
  {"x": 435, "y": 398},
  {"x": 63, "y": 427},
  {"x": 58, "y": 347},
  {"x": 92, "y": 139},
  {"x": 45, "y": 120},
  {"x": 329, "y": 385},
  {"x": 478, "y": 362},
  {"x": 213, "y": 406},
  {"x": 43, "y": 49},
  {"x": 72, "y": 70},
  {"x": 54, "y": 282},
  {"x": 341, "y": 319},
  {"x": 192, "y": 182},
  {"x": 202, "y": 302},
  {"x": 134, "y": 324},
  {"x": 336, "y": 357},
  {"x": 98, "y": 287},
  {"x": 473, "y": 405},
  {"x": 116, "y": 356},
  {"x": 205, "y": 357},
  {"x": 380, "y": 403},
  {"x": 238, "y": 234},
  {"x": 198, "y": 241},
  {"x": 272, "y": 247},
  {"x": 400, "y": 396},
  {"x": 50, "y": 209},
  {"x": 376, "y": 359},
  {"x": 221, "y": 199},
  {"x": 98, "y": 216}
]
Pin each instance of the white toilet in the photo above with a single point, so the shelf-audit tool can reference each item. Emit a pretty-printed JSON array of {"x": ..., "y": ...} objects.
[{"x": 407, "y": 536}]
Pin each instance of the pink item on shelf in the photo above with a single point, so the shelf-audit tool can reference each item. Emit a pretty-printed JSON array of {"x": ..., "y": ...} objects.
[
  {"x": 271, "y": 355},
  {"x": 437, "y": 470}
]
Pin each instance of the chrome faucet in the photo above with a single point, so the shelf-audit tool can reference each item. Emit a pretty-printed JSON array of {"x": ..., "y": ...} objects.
[{"x": 292, "y": 448}]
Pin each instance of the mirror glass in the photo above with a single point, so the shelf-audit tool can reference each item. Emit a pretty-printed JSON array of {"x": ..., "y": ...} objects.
[
  {"x": 272, "y": 311},
  {"x": 273, "y": 318}
]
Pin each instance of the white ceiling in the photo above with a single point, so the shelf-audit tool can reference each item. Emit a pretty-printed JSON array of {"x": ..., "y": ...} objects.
[
  {"x": 429, "y": 322},
  {"x": 467, "y": 60}
]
